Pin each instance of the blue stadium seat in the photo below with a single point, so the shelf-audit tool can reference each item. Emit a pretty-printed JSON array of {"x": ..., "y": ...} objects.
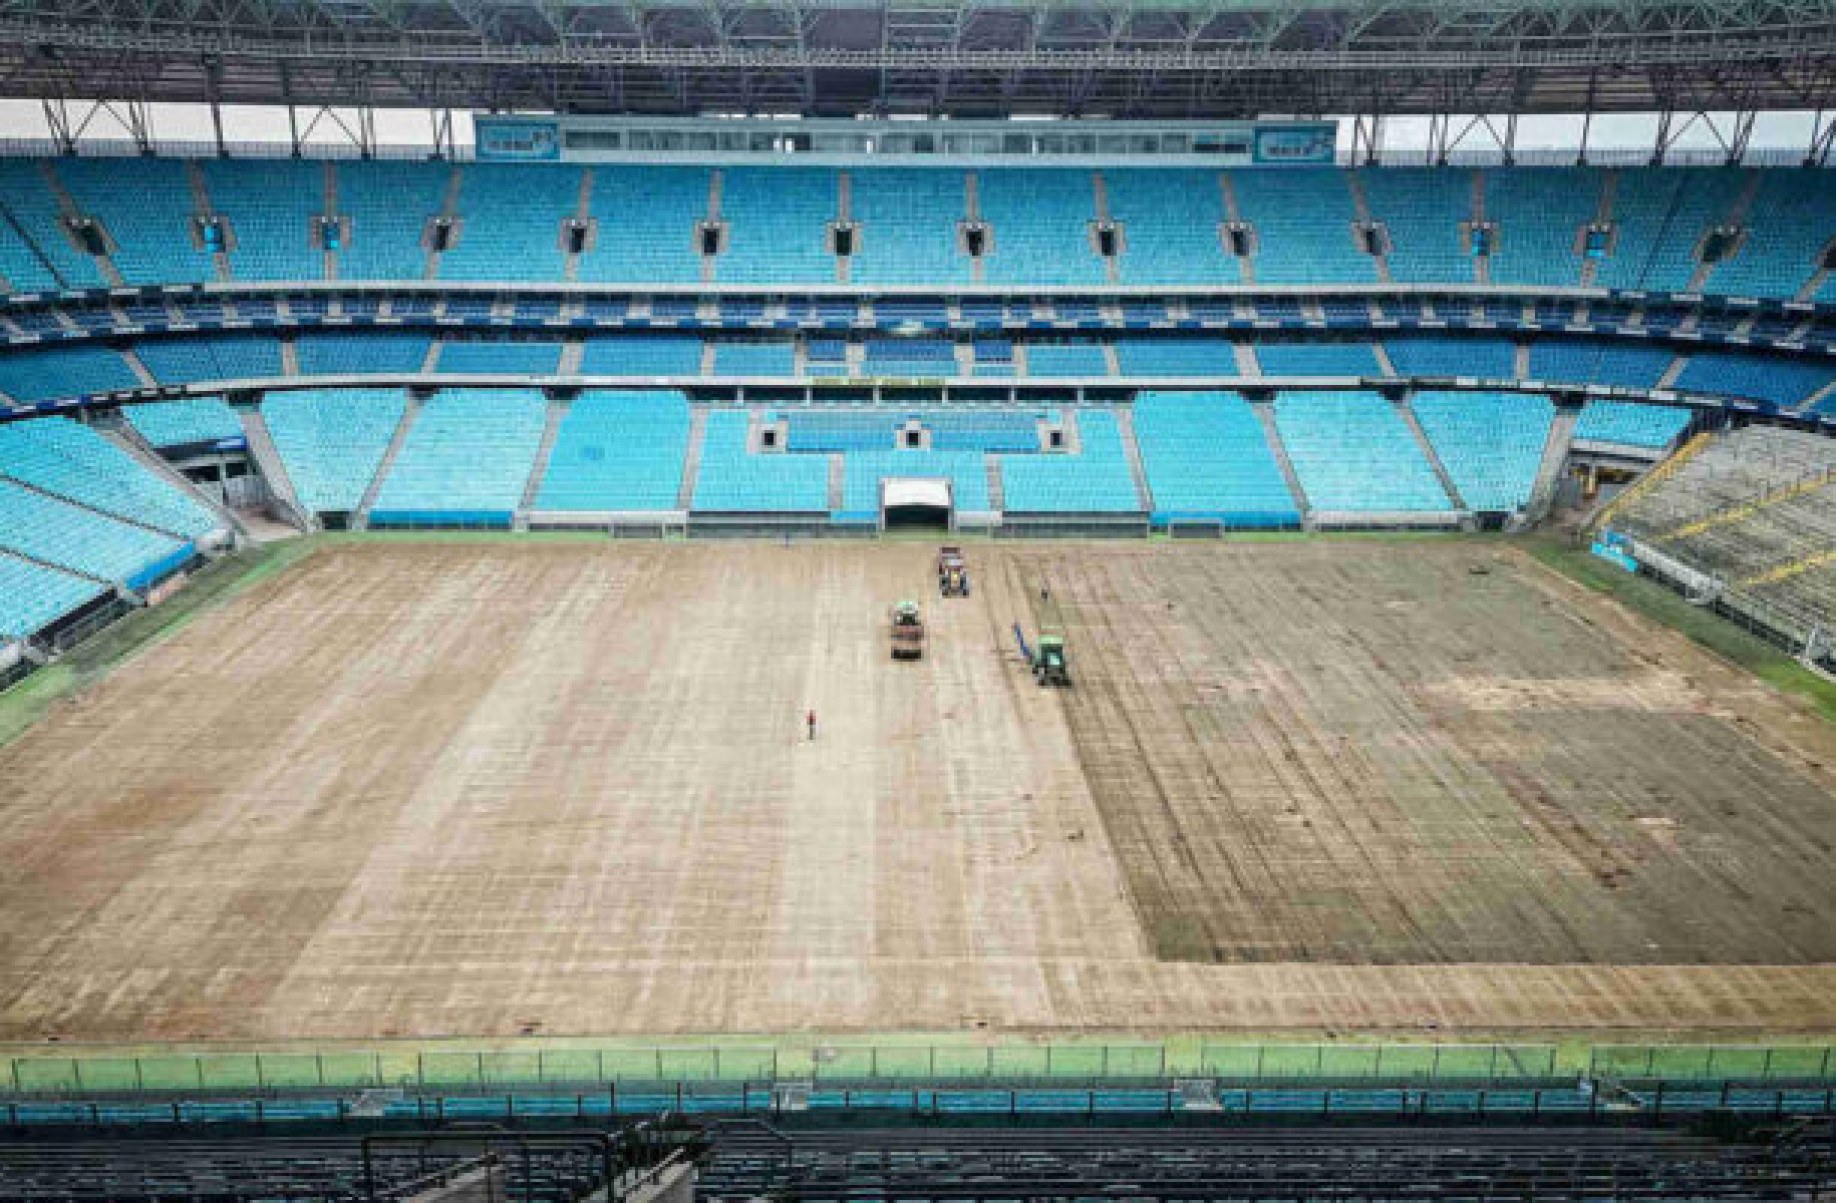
[
  {"x": 332, "y": 441},
  {"x": 642, "y": 355},
  {"x": 646, "y": 219},
  {"x": 1630, "y": 424},
  {"x": 511, "y": 217},
  {"x": 908, "y": 220},
  {"x": 502, "y": 357},
  {"x": 1172, "y": 225},
  {"x": 1352, "y": 452},
  {"x": 1422, "y": 209},
  {"x": 395, "y": 353},
  {"x": 1316, "y": 357},
  {"x": 33, "y": 596},
  {"x": 1303, "y": 221},
  {"x": 1783, "y": 381},
  {"x": 1094, "y": 480},
  {"x": 73, "y": 461},
  {"x": 617, "y": 452},
  {"x": 270, "y": 205},
  {"x": 146, "y": 206},
  {"x": 466, "y": 460},
  {"x": 1451, "y": 355},
  {"x": 1491, "y": 444},
  {"x": 778, "y": 225},
  {"x": 191, "y": 359},
  {"x": 35, "y": 254},
  {"x": 1041, "y": 223},
  {"x": 1206, "y": 457},
  {"x": 389, "y": 205},
  {"x": 41, "y": 374},
  {"x": 1176, "y": 357},
  {"x": 1599, "y": 361},
  {"x": 732, "y": 480},
  {"x": 188, "y": 422}
]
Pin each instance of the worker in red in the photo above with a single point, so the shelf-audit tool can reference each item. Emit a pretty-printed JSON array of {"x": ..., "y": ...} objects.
[{"x": 810, "y": 719}]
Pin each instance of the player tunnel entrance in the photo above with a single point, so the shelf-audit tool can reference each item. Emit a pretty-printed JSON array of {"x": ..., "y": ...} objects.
[{"x": 913, "y": 503}]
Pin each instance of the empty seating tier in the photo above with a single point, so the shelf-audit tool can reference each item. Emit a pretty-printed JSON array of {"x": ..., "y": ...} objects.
[
  {"x": 1491, "y": 444},
  {"x": 191, "y": 360},
  {"x": 61, "y": 457},
  {"x": 1630, "y": 425},
  {"x": 33, "y": 596},
  {"x": 466, "y": 460},
  {"x": 1353, "y": 453},
  {"x": 1206, "y": 457},
  {"x": 617, "y": 452},
  {"x": 1095, "y": 479},
  {"x": 332, "y": 441},
  {"x": 186, "y": 423},
  {"x": 732, "y": 479}
]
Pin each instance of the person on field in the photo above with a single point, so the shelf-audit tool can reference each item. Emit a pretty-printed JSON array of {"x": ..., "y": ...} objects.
[{"x": 810, "y": 719}]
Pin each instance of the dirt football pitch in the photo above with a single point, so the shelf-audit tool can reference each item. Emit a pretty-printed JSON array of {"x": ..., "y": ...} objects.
[{"x": 564, "y": 788}]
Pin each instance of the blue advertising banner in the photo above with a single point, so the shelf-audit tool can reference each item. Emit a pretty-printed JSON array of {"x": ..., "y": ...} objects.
[
  {"x": 517, "y": 140},
  {"x": 1312, "y": 144}
]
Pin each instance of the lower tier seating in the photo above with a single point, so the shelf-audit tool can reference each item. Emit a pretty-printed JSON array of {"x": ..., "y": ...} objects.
[
  {"x": 617, "y": 452},
  {"x": 1206, "y": 457},
  {"x": 467, "y": 459},
  {"x": 1354, "y": 453},
  {"x": 332, "y": 441}
]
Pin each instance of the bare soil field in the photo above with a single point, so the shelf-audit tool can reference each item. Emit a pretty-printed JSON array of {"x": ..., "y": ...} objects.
[{"x": 423, "y": 789}]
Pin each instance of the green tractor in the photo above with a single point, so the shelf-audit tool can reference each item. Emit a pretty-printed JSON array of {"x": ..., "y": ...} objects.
[{"x": 1049, "y": 666}]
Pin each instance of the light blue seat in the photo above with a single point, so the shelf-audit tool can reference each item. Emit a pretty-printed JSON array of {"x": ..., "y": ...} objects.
[
  {"x": 271, "y": 205},
  {"x": 646, "y": 218},
  {"x": 1172, "y": 225},
  {"x": 466, "y": 460},
  {"x": 1065, "y": 360},
  {"x": 42, "y": 374},
  {"x": 1491, "y": 444},
  {"x": 1303, "y": 220},
  {"x": 1791, "y": 220},
  {"x": 1779, "y": 379},
  {"x": 778, "y": 225},
  {"x": 81, "y": 540},
  {"x": 1630, "y": 424},
  {"x": 732, "y": 480},
  {"x": 33, "y": 596},
  {"x": 389, "y": 205},
  {"x": 1316, "y": 357},
  {"x": 617, "y": 452},
  {"x": 395, "y": 353},
  {"x": 190, "y": 421},
  {"x": 864, "y": 469},
  {"x": 332, "y": 441},
  {"x": 35, "y": 255},
  {"x": 501, "y": 357},
  {"x": 1095, "y": 480},
  {"x": 510, "y": 222},
  {"x": 1598, "y": 361},
  {"x": 1540, "y": 213},
  {"x": 1176, "y": 357},
  {"x": 1353, "y": 453},
  {"x": 642, "y": 355},
  {"x": 908, "y": 219},
  {"x": 755, "y": 359},
  {"x": 1661, "y": 214},
  {"x": 146, "y": 206},
  {"x": 1452, "y": 355},
  {"x": 1041, "y": 224},
  {"x": 1206, "y": 457},
  {"x": 62, "y": 457},
  {"x": 909, "y": 357},
  {"x": 191, "y": 359},
  {"x": 1421, "y": 209}
]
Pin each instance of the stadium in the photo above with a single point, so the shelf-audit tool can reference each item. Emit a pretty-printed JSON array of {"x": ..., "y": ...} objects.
[{"x": 921, "y": 600}]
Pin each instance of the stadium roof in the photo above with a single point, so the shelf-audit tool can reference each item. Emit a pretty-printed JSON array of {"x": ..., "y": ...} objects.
[{"x": 1139, "y": 59}]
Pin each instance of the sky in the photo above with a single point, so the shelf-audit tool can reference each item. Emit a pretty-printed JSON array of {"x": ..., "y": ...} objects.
[{"x": 181, "y": 123}]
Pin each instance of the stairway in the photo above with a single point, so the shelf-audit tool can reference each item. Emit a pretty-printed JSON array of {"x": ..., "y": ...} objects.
[
  {"x": 557, "y": 411},
  {"x": 200, "y": 201},
  {"x": 449, "y": 209},
  {"x": 1430, "y": 454},
  {"x": 1265, "y": 414},
  {"x": 1549, "y": 472},
  {"x": 274, "y": 470},
  {"x": 1125, "y": 425},
  {"x": 838, "y": 476},
  {"x": 691, "y": 460},
  {"x": 67, "y": 207},
  {"x": 361, "y": 519},
  {"x": 997, "y": 491},
  {"x": 1363, "y": 206}
]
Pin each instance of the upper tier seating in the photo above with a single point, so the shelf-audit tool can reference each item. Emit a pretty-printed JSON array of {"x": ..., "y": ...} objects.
[
  {"x": 1630, "y": 424},
  {"x": 1093, "y": 480},
  {"x": 370, "y": 352},
  {"x": 863, "y": 470},
  {"x": 1428, "y": 355},
  {"x": 1175, "y": 357},
  {"x": 1422, "y": 209},
  {"x": 909, "y": 357},
  {"x": 332, "y": 441},
  {"x": 617, "y": 452},
  {"x": 908, "y": 221},
  {"x": 646, "y": 219},
  {"x": 188, "y": 422},
  {"x": 1041, "y": 223},
  {"x": 733, "y": 480},
  {"x": 466, "y": 459},
  {"x": 1205, "y": 456},
  {"x": 195, "y": 358},
  {"x": 778, "y": 225},
  {"x": 1353, "y": 452},
  {"x": 502, "y": 357},
  {"x": 1791, "y": 220},
  {"x": 1316, "y": 357},
  {"x": 1597, "y": 361},
  {"x": 35, "y": 253},
  {"x": 270, "y": 204},
  {"x": 146, "y": 206},
  {"x": 1782, "y": 381},
  {"x": 511, "y": 222},
  {"x": 33, "y": 596},
  {"x": 1303, "y": 221},
  {"x": 1490, "y": 443},
  {"x": 389, "y": 205},
  {"x": 1540, "y": 213},
  {"x": 70, "y": 536},
  {"x": 1172, "y": 224},
  {"x": 59, "y": 456},
  {"x": 642, "y": 355},
  {"x": 1661, "y": 214},
  {"x": 40, "y": 374}
]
